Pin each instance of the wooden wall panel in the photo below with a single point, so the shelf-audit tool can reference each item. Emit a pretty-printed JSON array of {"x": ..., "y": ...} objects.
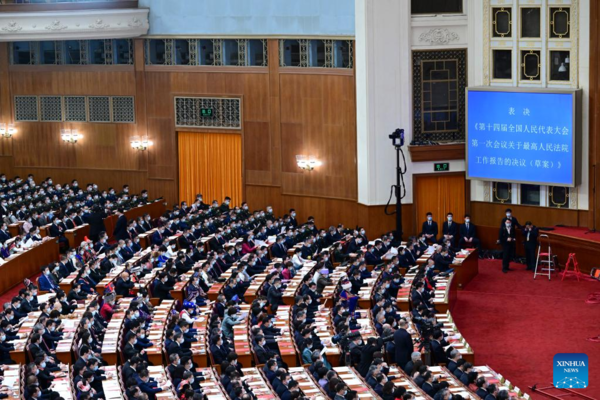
[
  {"x": 284, "y": 114},
  {"x": 490, "y": 214},
  {"x": 256, "y": 146}
]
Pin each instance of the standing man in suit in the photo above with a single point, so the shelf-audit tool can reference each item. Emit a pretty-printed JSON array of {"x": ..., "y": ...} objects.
[
  {"x": 531, "y": 234},
  {"x": 468, "y": 234},
  {"x": 510, "y": 218},
  {"x": 120, "y": 231},
  {"x": 430, "y": 228},
  {"x": 403, "y": 343},
  {"x": 449, "y": 230},
  {"x": 507, "y": 240}
]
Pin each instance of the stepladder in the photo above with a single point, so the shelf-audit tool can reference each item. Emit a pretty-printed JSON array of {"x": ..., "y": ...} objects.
[
  {"x": 544, "y": 263},
  {"x": 571, "y": 263}
]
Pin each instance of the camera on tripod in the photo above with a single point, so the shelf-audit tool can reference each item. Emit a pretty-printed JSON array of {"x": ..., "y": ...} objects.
[{"x": 397, "y": 137}]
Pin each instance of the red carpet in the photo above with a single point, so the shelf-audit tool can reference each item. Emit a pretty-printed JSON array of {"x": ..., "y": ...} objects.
[
  {"x": 577, "y": 232},
  {"x": 516, "y": 325}
]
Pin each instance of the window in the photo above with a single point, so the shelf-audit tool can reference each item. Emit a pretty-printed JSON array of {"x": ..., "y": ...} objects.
[
  {"x": 439, "y": 81},
  {"x": 23, "y": 53},
  {"x": 558, "y": 197},
  {"x": 123, "y": 109},
  {"x": 50, "y": 53},
  {"x": 530, "y": 22},
  {"x": 436, "y": 6},
  {"x": 51, "y": 108},
  {"x": 559, "y": 66},
  {"x": 123, "y": 51},
  {"x": 75, "y": 108},
  {"x": 257, "y": 53},
  {"x": 317, "y": 53},
  {"x": 26, "y": 108},
  {"x": 502, "y": 192},
  {"x": 530, "y": 195},
  {"x": 99, "y": 108},
  {"x": 208, "y": 112},
  {"x": 502, "y": 22},
  {"x": 560, "y": 24},
  {"x": 502, "y": 64},
  {"x": 531, "y": 65},
  {"x": 73, "y": 52}
]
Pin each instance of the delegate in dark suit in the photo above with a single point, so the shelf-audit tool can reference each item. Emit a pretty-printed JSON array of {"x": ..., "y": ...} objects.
[
  {"x": 530, "y": 234},
  {"x": 468, "y": 236},
  {"x": 430, "y": 228},
  {"x": 404, "y": 347},
  {"x": 450, "y": 228},
  {"x": 507, "y": 240},
  {"x": 120, "y": 231}
]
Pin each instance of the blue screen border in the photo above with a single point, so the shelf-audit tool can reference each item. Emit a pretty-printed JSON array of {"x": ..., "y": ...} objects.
[{"x": 576, "y": 128}]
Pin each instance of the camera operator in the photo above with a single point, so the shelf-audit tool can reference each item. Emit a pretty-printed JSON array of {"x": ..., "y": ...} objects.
[{"x": 373, "y": 345}]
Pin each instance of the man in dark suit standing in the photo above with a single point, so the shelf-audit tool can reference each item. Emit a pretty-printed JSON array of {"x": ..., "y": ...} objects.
[
  {"x": 120, "y": 231},
  {"x": 404, "y": 344},
  {"x": 507, "y": 240},
  {"x": 449, "y": 230},
  {"x": 510, "y": 218},
  {"x": 531, "y": 234},
  {"x": 430, "y": 228},
  {"x": 468, "y": 234},
  {"x": 96, "y": 221}
]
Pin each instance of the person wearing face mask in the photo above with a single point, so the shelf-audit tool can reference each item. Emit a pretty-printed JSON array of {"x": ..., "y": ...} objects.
[
  {"x": 96, "y": 222},
  {"x": 468, "y": 234},
  {"x": 76, "y": 294},
  {"x": 513, "y": 220},
  {"x": 449, "y": 230},
  {"x": 530, "y": 241},
  {"x": 225, "y": 205},
  {"x": 430, "y": 228},
  {"x": 507, "y": 238}
]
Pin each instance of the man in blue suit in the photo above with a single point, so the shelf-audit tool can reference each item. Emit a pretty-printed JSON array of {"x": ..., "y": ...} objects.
[
  {"x": 147, "y": 385},
  {"x": 46, "y": 282}
]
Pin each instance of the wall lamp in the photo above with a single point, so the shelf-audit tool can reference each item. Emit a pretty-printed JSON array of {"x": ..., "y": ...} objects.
[
  {"x": 141, "y": 144},
  {"x": 7, "y": 130},
  {"x": 70, "y": 135},
  {"x": 307, "y": 163}
]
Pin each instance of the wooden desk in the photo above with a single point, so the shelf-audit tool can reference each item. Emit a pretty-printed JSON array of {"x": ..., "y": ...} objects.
[
  {"x": 455, "y": 386},
  {"x": 110, "y": 385},
  {"x": 156, "y": 333},
  {"x": 76, "y": 235},
  {"x": 26, "y": 264},
  {"x": 454, "y": 337},
  {"x": 286, "y": 344},
  {"x": 355, "y": 381},
  {"x": 467, "y": 270},
  {"x": 501, "y": 382},
  {"x": 154, "y": 209},
  {"x": 401, "y": 379}
]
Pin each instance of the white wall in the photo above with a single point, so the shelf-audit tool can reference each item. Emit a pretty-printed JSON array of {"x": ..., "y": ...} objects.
[{"x": 385, "y": 37}]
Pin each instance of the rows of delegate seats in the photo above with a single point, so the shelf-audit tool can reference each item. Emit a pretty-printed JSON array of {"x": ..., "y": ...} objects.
[
  {"x": 284, "y": 316},
  {"x": 62, "y": 347}
]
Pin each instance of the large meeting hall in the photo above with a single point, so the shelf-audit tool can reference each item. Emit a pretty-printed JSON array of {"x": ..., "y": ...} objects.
[{"x": 299, "y": 199}]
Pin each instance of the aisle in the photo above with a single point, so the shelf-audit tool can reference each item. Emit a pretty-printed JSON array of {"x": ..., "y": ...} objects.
[{"x": 516, "y": 325}]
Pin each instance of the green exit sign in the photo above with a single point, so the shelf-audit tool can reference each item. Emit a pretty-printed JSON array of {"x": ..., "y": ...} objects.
[
  {"x": 441, "y": 167},
  {"x": 206, "y": 112}
]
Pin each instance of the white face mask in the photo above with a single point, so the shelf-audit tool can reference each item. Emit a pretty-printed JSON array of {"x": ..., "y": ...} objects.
[{"x": 429, "y": 218}]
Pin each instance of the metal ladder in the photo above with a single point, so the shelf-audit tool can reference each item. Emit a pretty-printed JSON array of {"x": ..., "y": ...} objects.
[{"x": 544, "y": 262}]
